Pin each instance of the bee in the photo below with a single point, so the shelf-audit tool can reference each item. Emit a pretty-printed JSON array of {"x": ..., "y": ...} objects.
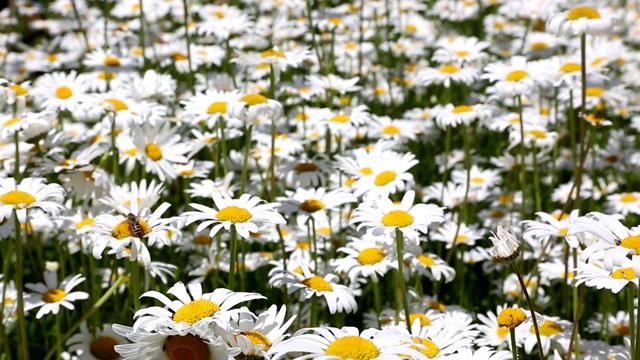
[{"x": 135, "y": 226}]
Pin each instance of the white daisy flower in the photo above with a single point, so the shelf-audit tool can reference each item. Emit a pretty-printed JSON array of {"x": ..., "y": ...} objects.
[
  {"x": 96, "y": 345},
  {"x": 243, "y": 213},
  {"x": 51, "y": 295},
  {"x": 30, "y": 193},
  {"x": 60, "y": 91},
  {"x": 159, "y": 148},
  {"x": 582, "y": 20}
]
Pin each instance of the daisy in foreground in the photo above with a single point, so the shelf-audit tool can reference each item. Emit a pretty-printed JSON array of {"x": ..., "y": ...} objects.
[
  {"x": 30, "y": 193},
  {"x": 49, "y": 296},
  {"x": 244, "y": 214},
  {"x": 382, "y": 216},
  {"x": 348, "y": 343}
]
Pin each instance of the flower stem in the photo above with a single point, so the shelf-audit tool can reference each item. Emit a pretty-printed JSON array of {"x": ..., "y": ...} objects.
[
  {"x": 632, "y": 318},
  {"x": 514, "y": 349},
  {"x": 233, "y": 247},
  {"x": 533, "y": 313},
  {"x": 245, "y": 161},
  {"x": 313, "y": 321},
  {"x": 22, "y": 324},
  {"x": 135, "y": 283},
  {"x": 401, "y": 282},
  {"x": 187, "y": 39},
  {"x": 377, "y": 300}
]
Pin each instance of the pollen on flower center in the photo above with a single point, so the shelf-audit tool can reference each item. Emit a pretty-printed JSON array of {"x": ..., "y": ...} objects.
[
  {"x": 116, "y": 105},
  {"x": 340, "y": 118},
  {"x": 462, "y": 109},
  {"x": 449, "y": 69},
  {"x": 426, "y": 260},
  {"x": 516, "y": 75},
  {"x": 218, "y": 107},
  {"x": 511, "y": 317},
  {"x": 64, "y": 92},
  {"x": 18, "y": 198},
  {"x": 305, "y": 167},
  {"x": 424, "y": 319},
  {"x": 188, "y": 346},
  {"x": 311, "y": 205},
  {"x": 548, "y": 328},
  {"x": 624, "y": 274},
  {"x": 234, "y": 214},
  {"x": 428, "y": 348},
  {"x": 258, "y": 339},
  {"x": 628, "y": 197},
  {"x": 631, "y": 242},
  {"x": 397, "y": 218},
  {"x": 124, "y": 229},
  {"x": 317, "y": 283},
  {"x": 53, "y": 296},
  {"x": 102, "y": 348},
  {"x": 272, "y": 52},
  {"x": 195, "y": 311},
  {"x": 254, "y": 99},
  {"x": 384, "y": 178},
  {"x": 370, "y": 256},
  {"x": 583, "y": 12},
  {"x": 153, "y": 152},
  {"x": 622, "y": 329},
  {"x": 353, "y": 347}
]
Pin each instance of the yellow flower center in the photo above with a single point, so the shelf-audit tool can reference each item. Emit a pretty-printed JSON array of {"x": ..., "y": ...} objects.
[
  {"x": 370, "y": 256},
  {"x": 449, "y": 69},
  {"x": 384, "y": 178},
  {"x": 111, "y": 61},
  {"x": 462, "y": 109},
  {"x": 18, "y": 198},
  {"x": 107, "y": 75},
  {"x": 187, "y": 347},
  {"x": 570, "y": 67},
  {"x": 366, "y": 171},
  {"x": 477, "y": 180},
  {"x": 502, "y": 332},
  {"x": 539, "y": 45},
  {"x": 624, "y": 274},
  {"x": 19, "y": 90},
  {"x": 516, "y": 75},
  {"x": 305, "y": 167},
  {"x": 218, "y": 107},
  {"x": 595, "y": 91},
  {"x": 234, "y": 214},
  {"x": 53, "y": 296},
  {"x": 548, "y": 328},
  {"x": 272, "y": 52},
  {"x": 461, "y": 238},
  {"x": 257, "y": 339},
  {"x": 430, "y": 349},
  {"x": 391, "y": 130},
  {"x": 353, "y": 348},
  {"x": 397, "y": 218},
  {"x": 116, "y": 105},
  {"x": 153, "y": 152},
  {"x": 461, "y": 53},
  {"x": 426, "y": 260},
  {"x": 511, "y": 317},
  {"x": 64, "y": 92},
  {"x": 179, "y": 57},
  {"x": 311, "y": 205},
  {"x": 317, "y": 283},
  {"x": 583, "y": 12},
  {"x": 195, "y": 311},
  {"x": 411, "y": 28},
  {"x": 84, "y": 222},
  {"x": 126, "y": 229},
  {"x": 131, "y": 152},
  {"x": 11, "y": 121},
  {"x": 340, "y": 118},
  {"x": 254, "y": 99},
  {"x": 424, "y": 320},
  {"x": 564, "y": 231},
  {"x": 628, "y": 198},
  {"x": 102, "y": 348},
  {"x": 622, "y": 329},
  {"x": 631, "y": 242},
  {"x": 303, "y": 245},
  {"x": 202, "y": 240},
  {"x": 540, "y": 134}
]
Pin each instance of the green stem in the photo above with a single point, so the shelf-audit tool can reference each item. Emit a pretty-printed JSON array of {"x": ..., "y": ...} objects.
[
  {"x": 272, "y": 162},
  {"x": 514, "y": 349},
  {"x": 314, "y": 311},
  {"x": 522, "y": 156},
  {"x": 233, "y": 247},
  {"x": 533, "y": 313},
  {"x": 22, "y": 322},
  {"x": 377, "y": 300},
  {"x": 401, "y": 282},
  {"x": 222, "y": 123},
  {"x": 86, "y": 315},
  {"x": 632, "y": 318},
  {"x": 187, "y": 39},
  {"x": 135, "y": 283},
  {"x": 141, "y": 35},
  {"x": 637, "y": 352},
  {"x": 245, "y": 161}
]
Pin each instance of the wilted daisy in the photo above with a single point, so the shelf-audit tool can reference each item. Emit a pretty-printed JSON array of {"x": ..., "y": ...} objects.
[
  {"x": 243, "y": 213},
  {"x": 51, "y": 295},
  {"x": 506, "y": 246},
  {"x": 382, "y": 216},
  {"x": 28, "y": 194}
]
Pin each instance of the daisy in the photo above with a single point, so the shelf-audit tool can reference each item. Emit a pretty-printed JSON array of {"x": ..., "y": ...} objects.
[
  {"x": 334, "y": 83},
  {"x": 210, "y": 106},
  {"x": 624, "y": 203},
  {"x": 306, "y": 172},
  {"x": 338, "y": 297},
  {"x": 95, "y": 345},
  {"x": 510, "y": 79},
  {"x": 278, "y": 60},
  {"x": 388, "y": 175},
  {"x": 618, "y": 324},
  {"x": 438, "y": 339},
  {"x": 345, "y": 120},
  {"x": 60, "y": 91},
  {"x": 452, "y": 232},
  {"x": 243, "y": 213},
  {"x": 248, "y": 107},
  {"x": 582, "y": 20},
  {"x": 600, "y": 276},
  {"x": 451, "y": 115},
  {"x": 491, "y": 332},
  {"x": 314, "y": 203},
  {"x": 159, "y": 148},
  {"x": 460, "y": 49},
  {"x": 192, "y": 306},
  {"x": 365, "y": 258},
  {"x": 432, "y": 267},
  {"x": 99, "y": 59},
  {"x": 206, "y": 188},
  {"x": 144, "y": 194},
  {"x": 384, "y": 217},
  {"x": 348, "y": 343},
  {"x": 506, "y": 246},
  {"x": 29, "y": 194},
  {"x": 448, "y": 73},
  {"x": 51, "y": 295},
  {"x": 552, "y": 330}
]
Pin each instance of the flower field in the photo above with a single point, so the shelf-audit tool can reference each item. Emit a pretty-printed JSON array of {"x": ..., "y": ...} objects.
[{"x": 287, "y": 179}]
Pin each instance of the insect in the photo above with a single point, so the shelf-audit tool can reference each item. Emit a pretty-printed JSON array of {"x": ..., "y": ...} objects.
[{"x": 135, "y": 226}]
